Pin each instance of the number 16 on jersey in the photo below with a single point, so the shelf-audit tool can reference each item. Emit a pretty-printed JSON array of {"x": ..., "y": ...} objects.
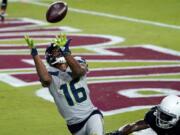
[{"x": 73, "y": 94}]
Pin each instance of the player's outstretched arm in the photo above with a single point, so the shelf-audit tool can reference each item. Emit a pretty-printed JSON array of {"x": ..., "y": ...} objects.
[
  {"x": 63, "y": 43},
  {"x": 130, "y": 128},
  {"x": 43, "y": 74}
]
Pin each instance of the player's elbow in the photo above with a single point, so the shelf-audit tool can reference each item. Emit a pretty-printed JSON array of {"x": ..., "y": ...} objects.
[
  {"x": 78, "y": 73},
  {"x": 45, "y": 81}
]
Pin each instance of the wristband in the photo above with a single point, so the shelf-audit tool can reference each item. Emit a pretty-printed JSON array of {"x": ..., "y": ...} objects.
[
  {"x": 34, "y": 52},
  {"x": 66, "y": 52}
]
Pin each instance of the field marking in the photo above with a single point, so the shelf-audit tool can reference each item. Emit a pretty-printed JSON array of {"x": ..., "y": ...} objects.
[
  {"x": 112, "y": 40},
  {"x": 162, "y": 49},
  {"x": 135, "y": 67},
  {"x": 134, "y": 80},
  {"x": 133, "y": 92},
  {"x": 44, "y": 94},
  {"x": 31, "y": 62},
  {"x": 124, "y": 110},
  {"x": 13, "y": 81},
  {"x": 82, "y": 11}
]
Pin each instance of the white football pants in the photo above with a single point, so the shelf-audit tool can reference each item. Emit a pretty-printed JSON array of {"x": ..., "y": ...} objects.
[{"x": 94, "y": 126}]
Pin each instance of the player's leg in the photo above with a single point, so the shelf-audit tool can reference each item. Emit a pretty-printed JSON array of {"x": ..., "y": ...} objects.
[
  {"x": 82, "y": 131},
  {"x": 95, "y": 125},
  {"x": 3, "y": 9}
]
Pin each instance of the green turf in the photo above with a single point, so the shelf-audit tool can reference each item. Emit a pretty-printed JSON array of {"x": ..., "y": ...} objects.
[
  {"x": 23, "y": 113},
  {"x": 148, "y": 92},
  {"x": 128, "y": 64}
]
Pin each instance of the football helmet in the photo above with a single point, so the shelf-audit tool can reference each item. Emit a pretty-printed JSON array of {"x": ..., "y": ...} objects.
[
  {"x": 53, "y": 55},
  {"x": 168, "y": 112}
]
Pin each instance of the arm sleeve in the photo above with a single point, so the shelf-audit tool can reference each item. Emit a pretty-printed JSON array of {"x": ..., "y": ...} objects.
[{"x": 149, "y": 116}]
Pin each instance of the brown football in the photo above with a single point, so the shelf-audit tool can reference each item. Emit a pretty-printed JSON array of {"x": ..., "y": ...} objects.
[{"x": 56, "y": 12}]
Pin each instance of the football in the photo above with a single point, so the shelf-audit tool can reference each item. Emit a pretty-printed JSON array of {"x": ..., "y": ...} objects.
[{"x": 56, "y": 12}]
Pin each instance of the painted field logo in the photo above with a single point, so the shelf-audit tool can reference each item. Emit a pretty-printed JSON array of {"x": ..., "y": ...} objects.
[{"x": 123, "y": 87}]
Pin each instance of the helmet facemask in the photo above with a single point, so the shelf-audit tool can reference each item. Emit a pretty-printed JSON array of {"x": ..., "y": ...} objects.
[
  {"x": 53, "y": 55},
  {"x": 165, "y": 120}
]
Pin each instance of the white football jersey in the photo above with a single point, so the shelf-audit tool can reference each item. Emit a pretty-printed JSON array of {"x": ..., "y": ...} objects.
[{"x": 71, "y": 96}]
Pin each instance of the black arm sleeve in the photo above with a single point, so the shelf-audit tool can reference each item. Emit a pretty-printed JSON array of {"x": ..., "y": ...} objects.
[{"x": 4, "y": 4}]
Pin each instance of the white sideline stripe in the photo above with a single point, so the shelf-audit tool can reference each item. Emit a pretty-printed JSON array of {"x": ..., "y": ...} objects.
[
  {"x": 113, "y": 16},
  {"x": 69, "y": 29},
  {"x": 103, "y": 51},
  {"x": 161, "y": 49},
  {"x": 38, "y": 22},
  {"x": 12, "y": 80}
]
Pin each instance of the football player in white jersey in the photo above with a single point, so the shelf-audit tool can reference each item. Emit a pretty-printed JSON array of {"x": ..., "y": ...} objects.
[{"x": 66, "y": 80}]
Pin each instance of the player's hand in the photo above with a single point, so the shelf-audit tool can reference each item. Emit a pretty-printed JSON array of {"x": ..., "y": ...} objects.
[
  {"x": 63, "y": 43},
  {"x": 60, "y": 40},
  {"x": 31, "y": 45},
  {"x": 29, "y": 42}
]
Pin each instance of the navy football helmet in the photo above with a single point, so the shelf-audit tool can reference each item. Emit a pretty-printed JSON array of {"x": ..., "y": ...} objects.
[{"x": 53, "y": 55}]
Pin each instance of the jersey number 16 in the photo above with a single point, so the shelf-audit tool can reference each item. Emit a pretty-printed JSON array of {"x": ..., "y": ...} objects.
[{"x": 71, "y": 93}]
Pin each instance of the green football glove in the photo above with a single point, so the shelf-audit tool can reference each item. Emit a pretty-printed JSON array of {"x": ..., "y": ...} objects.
[
  {"x": 60, "y": 40},
  {"x": 31, "y": 45},
  {"x": 29, "y": 42},
  {"x": 63, "y": 43}
]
